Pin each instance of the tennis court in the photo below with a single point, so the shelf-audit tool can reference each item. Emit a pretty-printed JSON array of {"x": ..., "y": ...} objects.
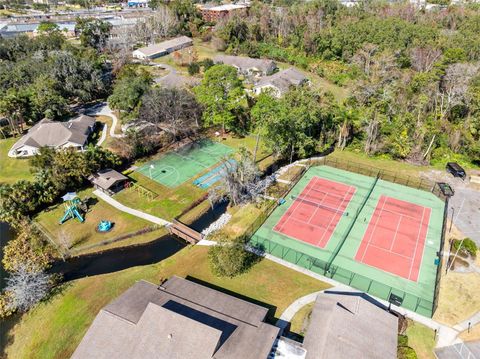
[
  {"x": 177, "y": 167},
  {"x": 315, "y": 213},
  {"x": 380, "y": 237},
  {"x": 395, "y": 237}
]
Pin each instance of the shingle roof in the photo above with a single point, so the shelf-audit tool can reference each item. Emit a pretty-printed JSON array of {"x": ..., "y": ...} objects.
[
  {"x": 106, "y": 178},
  {"x": 55, "y": 134},
  {"x": 245, "y": 63},
  {"x": 348, "y": 326},
  {"x": 165, "y": 45},
  {"x": 180, "y": 319},
  {"x": 470, "y": 350},
  {"x": 177, "y": 81},
  {"x": 283, "y": 80}
]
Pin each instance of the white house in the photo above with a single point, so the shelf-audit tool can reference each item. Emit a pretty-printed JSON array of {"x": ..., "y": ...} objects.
[
  {"x": 247, "y": 65},
  {"x": 48, "y": 133},
  {"x": 162, "y": 48}
]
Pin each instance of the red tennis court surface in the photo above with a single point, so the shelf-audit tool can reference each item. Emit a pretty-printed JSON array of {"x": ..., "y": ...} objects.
[
  {"x": 315, "y": 213},
  {"x": 395, "y": 237}
]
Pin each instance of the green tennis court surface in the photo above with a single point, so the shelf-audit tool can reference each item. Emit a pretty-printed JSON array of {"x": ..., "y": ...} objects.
[
  {"x": 177, "y": 167},
  {"x": 361, "y": 245}
]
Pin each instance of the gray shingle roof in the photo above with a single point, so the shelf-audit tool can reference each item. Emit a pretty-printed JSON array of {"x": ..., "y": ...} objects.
[
  {"x": 348, "y": 326},
  {"x": 106, "y": 178},
  {"x": 180, "y": 319},
  {"x": 470, "y": 350},
  {"x": 55, "y": 134},
  {"x": 246, "y": 63},
  {"x": 283, "y": 80}
]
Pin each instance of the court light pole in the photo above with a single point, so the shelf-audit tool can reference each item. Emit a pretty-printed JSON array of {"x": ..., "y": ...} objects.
[{"x": 150, "y": 170}]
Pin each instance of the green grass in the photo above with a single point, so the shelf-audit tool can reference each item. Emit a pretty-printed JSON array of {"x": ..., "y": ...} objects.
[
  {"x": 421, "y": 339},
  {"x": 53, "y": 329},
  {"x": 300, "y": 320},
  {"x": 85, "y": 234},
  {"x": 12, "y": 169},
  {"x": 170, "y": 202}
]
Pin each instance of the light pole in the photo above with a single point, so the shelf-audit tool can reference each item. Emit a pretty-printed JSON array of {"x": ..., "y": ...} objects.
[{"x": 150, "y": 170}]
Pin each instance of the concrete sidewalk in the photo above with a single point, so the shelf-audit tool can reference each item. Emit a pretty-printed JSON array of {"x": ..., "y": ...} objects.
[{"x": 133, "y": 212}]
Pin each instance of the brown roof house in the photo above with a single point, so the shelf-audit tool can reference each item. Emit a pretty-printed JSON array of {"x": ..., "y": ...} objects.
[
  {"x": 108, "y": 181},
  {"x": 246, "y": 65},
  {"x": 58, "y": 135},
  {"x": 280, "y": 82},
  {"x": 163, "y": 48},
  {"x": 344, "y": 326},
  {"x": 179, "y": 319}
]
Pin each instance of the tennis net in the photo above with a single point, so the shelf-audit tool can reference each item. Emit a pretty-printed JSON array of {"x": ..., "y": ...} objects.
[{"x": 319, "y": 205}]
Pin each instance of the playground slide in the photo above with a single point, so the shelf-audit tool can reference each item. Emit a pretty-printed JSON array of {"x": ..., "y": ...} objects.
[
  {"x": 77, "y": 214},
  {"x": 65, "y": 217}
]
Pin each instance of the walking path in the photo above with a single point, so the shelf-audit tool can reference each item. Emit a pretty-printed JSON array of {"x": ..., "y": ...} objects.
[
  {"x": 133, "y": 212},
  {"x": 104, "y": 135},
  {"x": 104, "y": 110}
]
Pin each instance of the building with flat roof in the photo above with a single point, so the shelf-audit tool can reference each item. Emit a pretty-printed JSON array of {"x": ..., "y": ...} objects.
[
  {"x": 179, "y": 319},
  {"x": 163, "y": 48},
  {"x": 215, "y": 13}
]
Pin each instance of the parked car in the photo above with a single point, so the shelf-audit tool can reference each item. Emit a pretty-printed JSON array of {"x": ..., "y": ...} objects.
[{"x": 456, "y": 170}]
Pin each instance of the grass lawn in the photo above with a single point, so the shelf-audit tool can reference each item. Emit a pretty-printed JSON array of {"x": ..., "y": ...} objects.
[
  {"x": 169, "y": 203},
  {"x": 300, "y": 321},
  {"x": 264, "y": 157},
  {"x": 12, "y": 169},
  {"x": 85, "y": 234},
  {"x": 421, "y": 339},
  {"x": 54, "y": 328}
]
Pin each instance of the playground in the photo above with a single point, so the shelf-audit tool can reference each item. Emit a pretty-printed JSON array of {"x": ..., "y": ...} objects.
[
  {"x": 377, "y": 236},
  {"x": 183, "y": 164}
]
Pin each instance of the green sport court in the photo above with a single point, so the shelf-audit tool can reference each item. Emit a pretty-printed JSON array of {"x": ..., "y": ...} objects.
[
  {"x": 376, "y": 236},
  {"x": 177, "y": 167}
]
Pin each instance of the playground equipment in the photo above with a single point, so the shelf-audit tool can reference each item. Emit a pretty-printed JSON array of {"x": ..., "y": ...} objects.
[
  {"x": 104, "y": 226},
  {"x": 72, "y": 204}
]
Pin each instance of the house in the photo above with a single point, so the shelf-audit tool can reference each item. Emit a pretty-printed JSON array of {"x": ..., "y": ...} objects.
[
  {"x": 108, "y": 181},
  {"x": 280, "y": 82},
  {"x": 179, "y": 319},
  {"x": 215, "y": 13},
  {"x": 246, "y": 65},
  {"x": 58, "y": 135},
  {"x": 162, "y": 48},
  {"x": 346, "y": 326}
]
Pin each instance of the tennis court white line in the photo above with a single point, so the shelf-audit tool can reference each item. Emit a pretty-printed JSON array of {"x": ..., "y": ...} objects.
[
  {"x": 416, "y": 244},
  {"x": 391, "y": 252},
  {"x": 331, "y": 219},
  {"x": 396, "y": 232},
  {"x": 332, "y": 194},
  {"x": 296, "y": 203},
  {"x": 374, "y": 229},
  {"x": 316, "y": 209}
]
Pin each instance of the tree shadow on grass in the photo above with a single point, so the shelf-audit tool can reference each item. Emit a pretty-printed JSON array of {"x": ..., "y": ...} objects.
[{"x": 6, "y": 336}]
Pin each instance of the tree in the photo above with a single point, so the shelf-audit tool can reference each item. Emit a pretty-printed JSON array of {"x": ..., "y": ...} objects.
[
  {"x": 155, "y": 27},
  {"x": 47, "y": 27},
  {"x": 240, "y": 181},
  {"x": 27, "y": 287},
  {"x": 229, "y": 258},
  {"x": 193, "y": 68},
  {"x": 172, "y": 110},
  {"x": 129, "y": 88},
  {"x": 16, "y": 107},
  {"x": 93, "y": 32},
  {"x": 46, "y": 99},
  {"x": 222, "y": 95}
]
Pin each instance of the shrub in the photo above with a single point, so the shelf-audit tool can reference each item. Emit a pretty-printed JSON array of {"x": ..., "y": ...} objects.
[
  {"x": 229, "y": 258},
  {"x": 406, "y": 353},
  {"x": 468, "y": 247},
  {"x": 193, "y": 68}
]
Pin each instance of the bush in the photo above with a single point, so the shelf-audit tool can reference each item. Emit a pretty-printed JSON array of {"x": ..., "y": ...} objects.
[
  {"x": 406, "y": 353},
  {"x": 468, "y": 247},
  {"x": 229, "y": 258},
  {"x": 193, "y": 68}
]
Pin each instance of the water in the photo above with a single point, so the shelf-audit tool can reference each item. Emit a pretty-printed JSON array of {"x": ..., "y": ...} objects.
[{"x": 209, "y": 216}]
